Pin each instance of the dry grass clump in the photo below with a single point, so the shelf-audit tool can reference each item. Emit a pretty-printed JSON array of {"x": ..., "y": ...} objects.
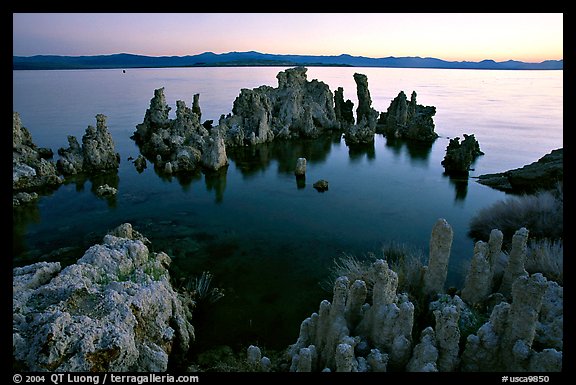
[
  {"x": 541, "y": 213},
  {"x": 405, "y": 260},
  {"x": 546, "y": 257},
  {"x": 408, "y": 262},
  {"x": 353, "y": 268}
]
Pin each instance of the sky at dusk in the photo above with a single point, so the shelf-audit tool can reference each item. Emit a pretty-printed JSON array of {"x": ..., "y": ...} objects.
[{"x": 529, "y": 37}]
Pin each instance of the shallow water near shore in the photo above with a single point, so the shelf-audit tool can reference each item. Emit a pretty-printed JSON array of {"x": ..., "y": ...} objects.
[{"x": 268, "y": 240}]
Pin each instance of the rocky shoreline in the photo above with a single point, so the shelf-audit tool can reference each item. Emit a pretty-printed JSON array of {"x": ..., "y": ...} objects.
[
  {"x": 544, "y": 174},
  {"x": 116, "y": 309}
]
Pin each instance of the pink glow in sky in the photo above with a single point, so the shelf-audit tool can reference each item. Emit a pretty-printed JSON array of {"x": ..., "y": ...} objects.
[{"x": 529, "y": 37}]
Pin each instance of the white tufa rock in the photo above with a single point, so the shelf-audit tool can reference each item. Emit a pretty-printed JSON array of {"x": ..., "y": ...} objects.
[
  {"x": 516, "y": 261},
  {"x": 479, "y": 278},
  {"x": 440, "y": 246}
]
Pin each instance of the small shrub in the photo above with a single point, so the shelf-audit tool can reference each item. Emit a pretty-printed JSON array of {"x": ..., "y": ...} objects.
[
  {"x": 541, "y": 213},
  {"x": 199, "y": 288}
]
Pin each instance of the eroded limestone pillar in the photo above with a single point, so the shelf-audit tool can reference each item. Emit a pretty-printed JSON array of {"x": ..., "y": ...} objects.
[{"x": 440, "y": 245}]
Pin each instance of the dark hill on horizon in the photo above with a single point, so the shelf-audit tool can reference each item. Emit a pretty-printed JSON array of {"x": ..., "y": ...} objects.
[{"x": 252, "y": 58}]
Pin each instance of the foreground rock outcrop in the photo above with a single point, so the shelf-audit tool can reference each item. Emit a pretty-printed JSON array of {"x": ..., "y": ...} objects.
[
  {"x": 113, "y": 310},
  {"x": 544, "y": 174},
  {"x": 505, "y": 342}
]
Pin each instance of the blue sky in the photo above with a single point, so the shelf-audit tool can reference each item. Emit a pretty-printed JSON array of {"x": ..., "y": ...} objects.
[{"x": 530, "y": 37}]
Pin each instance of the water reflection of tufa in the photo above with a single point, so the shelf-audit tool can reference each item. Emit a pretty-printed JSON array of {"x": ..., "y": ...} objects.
[
  {"x": 214, "y": 179},
  {"x": 418, "y": 151}
]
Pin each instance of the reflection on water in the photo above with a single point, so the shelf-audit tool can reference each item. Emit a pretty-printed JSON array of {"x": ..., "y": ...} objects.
[
  {"x": 22, "y": 217},
  {"x": 460, "y": 184},
  {"x": 419, "y": 152},
  {"x": 252, "y": 160},
  {"x": 361, "y": 150},
  {"x": 216, "y": 181},
  {"x": 105, "y": 178},
  {"x": 184, "y": 179}
]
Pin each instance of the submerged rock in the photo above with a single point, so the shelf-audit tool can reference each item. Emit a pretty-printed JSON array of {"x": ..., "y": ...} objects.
[
  {"x": 105, "y": 191},
  {"x": 23, "y": 198},
  {"x": 321, "y": 185},
  {"x": 140, "y": 163}
]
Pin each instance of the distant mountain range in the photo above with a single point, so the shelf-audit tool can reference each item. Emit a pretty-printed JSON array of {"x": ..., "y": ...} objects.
[{"x": 252, "y": 58}]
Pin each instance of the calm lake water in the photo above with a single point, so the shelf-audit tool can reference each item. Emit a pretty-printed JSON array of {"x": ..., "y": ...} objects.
[{"x": 268, "y": 242}]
